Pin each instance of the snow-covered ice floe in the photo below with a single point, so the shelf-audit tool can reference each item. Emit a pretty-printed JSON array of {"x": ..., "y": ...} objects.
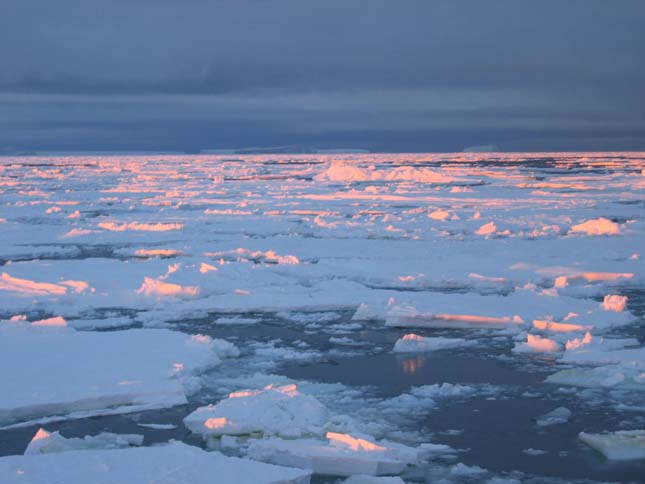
[
  {"x": 58, "y": 372},
  {"x": 340, "y": 454},
  {"x": 281, "y": 410},
  {"x": 174, "y": 462}
]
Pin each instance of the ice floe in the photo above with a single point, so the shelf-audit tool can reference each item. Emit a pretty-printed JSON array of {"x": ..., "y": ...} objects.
[
  {"x": 282, "y": 411},
  {"x": 49, "y": 442},
  {"x": 169, "y": 463},
  {"x": 96, "y": 372},
  {"x": 556, "y": 416},
  {"x": 619, "y": 445},
  {"x": 339, "y": 455}
]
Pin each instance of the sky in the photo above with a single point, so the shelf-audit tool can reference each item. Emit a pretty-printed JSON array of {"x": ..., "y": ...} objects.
[{"x": 189, "y": 75}]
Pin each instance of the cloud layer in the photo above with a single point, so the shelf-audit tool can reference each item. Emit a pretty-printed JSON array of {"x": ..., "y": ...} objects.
[{"x": 408, "y": 76}]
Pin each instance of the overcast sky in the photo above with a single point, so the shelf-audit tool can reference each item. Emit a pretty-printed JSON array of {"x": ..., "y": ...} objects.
[{"x": 393, "y": 75}]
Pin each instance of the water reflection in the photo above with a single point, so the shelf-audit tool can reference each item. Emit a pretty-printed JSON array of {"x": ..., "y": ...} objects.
[{"x": 411, "y": 365}]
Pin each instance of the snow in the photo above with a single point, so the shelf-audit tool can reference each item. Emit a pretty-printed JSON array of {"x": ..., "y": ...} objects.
[
  {"x": 619, "y": 445},
  {"x": 114, "y": 374},
  {"x": 169, "y": 463},
  {"x": 281, "y": 410},
  {"x": 411, "y": 343}
]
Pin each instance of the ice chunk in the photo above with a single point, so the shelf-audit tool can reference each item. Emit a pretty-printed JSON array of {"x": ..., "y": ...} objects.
[
  {"x": 204, "y": 268},
  {"x": 140, "y": 226},
  {"x": 414, "y": 343},
  {"x": 615, "y": 303},
  {"x": 342, "y": 172},
  {"x": 421, "y": 399},
  {"x": 620, "y": 445},
  {"x": 558, "y": 327},
  {"x": 156, "y": 287},
  {"x": 602, "y": 351},
  {"x": 533, "y": 452},
  {"x": 558, "y": 416},
  {"x": 65, "y": 371},
  {"x": 155, "y": 426},
  {"x": 578, "y": 278},
  {"x": 171, "y": 463},
  {"x": 365, "y": 313},
  {"x": 45, "y": 442},
  {"x": 158, "y": 252},
  {"x": 408, "y": 316},
  {"x": 439, "y": 214},
  {"x": 57, "y": 322},
  {"x": 29, "y": 287},
  {"x": 487, "y": 229},
  {"x": 603, "y": 376},
  {"x": 536, "y": 344},
  {"x": 342, "y": 455},
  {"x": 236, "y": 320},
  {"x": 280, "y": 411},
  {"x": 599, "y": 226}
]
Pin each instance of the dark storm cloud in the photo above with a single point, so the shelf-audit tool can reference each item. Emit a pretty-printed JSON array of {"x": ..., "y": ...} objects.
[{"x": 408, "y": 75}]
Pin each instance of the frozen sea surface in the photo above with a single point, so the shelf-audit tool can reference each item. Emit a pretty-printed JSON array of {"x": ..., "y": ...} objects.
[{"x": 513, "y": 284}]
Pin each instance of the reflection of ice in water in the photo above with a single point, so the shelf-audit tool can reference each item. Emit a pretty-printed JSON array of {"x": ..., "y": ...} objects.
[{"x": 412, "y": 365}]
